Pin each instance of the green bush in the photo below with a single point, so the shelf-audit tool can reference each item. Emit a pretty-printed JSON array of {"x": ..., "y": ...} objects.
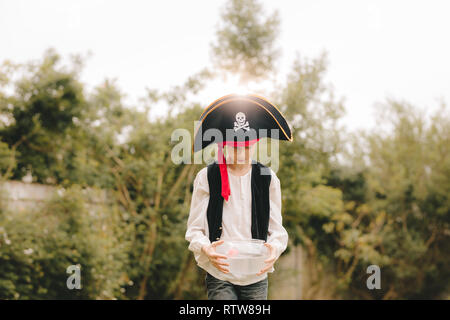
[{"x": 37, "y": 246}]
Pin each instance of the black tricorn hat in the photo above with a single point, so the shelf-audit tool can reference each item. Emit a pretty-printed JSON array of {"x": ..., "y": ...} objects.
[{"x": 240, "y": 118}]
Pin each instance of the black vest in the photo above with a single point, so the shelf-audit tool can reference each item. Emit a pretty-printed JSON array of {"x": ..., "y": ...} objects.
[{"x": 260, "y": 184}]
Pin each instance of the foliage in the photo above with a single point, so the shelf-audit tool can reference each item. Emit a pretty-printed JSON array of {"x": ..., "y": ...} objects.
[
  {"x": 41, "y": 117},
  {"x": 37, "y": 246},
  {"x": 245, "y": 43}
]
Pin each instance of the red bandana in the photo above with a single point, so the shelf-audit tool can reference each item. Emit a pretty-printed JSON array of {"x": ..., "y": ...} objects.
[{"x": 223, "y": 164}]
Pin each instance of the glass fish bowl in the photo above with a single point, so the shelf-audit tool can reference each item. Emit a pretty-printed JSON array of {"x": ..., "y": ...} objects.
[{"x": 245, "y": 257}]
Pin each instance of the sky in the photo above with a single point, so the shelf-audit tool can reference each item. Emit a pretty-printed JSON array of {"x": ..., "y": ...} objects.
[{"x": 376, "y": 49}]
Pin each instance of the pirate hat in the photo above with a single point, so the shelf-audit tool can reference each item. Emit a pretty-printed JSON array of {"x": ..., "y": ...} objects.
[{"x": 239, "y": 120}]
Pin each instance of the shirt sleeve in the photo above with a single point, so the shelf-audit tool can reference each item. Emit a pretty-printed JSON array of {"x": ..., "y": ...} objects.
[
  {"x": 197, "y": 224},
  {"x": 277, "y": 234}
]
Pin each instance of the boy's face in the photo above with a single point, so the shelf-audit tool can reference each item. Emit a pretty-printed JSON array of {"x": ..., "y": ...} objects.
[{"x": 240, "y": 155}]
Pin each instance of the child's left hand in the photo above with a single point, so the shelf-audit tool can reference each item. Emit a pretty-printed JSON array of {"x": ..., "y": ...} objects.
[{"x": 270, "y": 261}]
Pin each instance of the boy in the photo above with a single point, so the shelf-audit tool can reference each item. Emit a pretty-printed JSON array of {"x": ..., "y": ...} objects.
[{"x": 252, "y": 206}]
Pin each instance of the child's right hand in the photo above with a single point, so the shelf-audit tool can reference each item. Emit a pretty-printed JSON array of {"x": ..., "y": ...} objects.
[{"x": 213, "y": 256}]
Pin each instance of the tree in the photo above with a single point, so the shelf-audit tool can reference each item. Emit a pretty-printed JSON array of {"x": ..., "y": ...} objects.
[
  {"x": 245, "y": 43},
  {"x": 46, "y": 103}
]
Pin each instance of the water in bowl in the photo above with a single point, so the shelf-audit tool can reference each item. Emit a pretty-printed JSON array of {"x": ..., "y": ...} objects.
[{"x": 245, "y": 257}]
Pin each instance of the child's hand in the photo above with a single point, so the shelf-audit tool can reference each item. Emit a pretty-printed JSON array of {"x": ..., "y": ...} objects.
[
  {"x": 270, "y": 261},
  {"x": 210, "y": 251}
]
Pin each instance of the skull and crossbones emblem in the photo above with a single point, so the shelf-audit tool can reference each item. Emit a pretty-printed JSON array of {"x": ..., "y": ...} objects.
[{"x": 240, "y": 122}]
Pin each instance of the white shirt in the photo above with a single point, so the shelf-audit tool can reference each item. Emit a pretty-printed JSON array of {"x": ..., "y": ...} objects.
[{"x": 236, "y": 221}]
